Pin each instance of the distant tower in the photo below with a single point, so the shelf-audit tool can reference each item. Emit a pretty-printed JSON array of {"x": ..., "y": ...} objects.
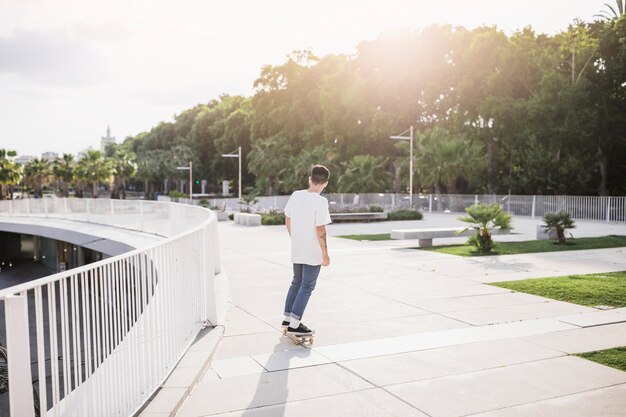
[{"x": 105, "y": 140}]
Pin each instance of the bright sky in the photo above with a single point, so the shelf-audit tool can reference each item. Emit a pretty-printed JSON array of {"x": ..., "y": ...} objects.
[{"x": 70, "y": 67}]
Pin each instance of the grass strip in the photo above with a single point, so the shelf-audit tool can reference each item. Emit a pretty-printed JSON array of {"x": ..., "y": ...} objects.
[
  {"x": 607, "y": 289},
  {"x": 534, "y": 246},
  {"x": 615, "y": 358}
]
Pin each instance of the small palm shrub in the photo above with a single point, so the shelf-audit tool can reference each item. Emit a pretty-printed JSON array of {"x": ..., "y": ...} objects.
[
  {"x": 558, "y": 221},
  {"x": 247, "y": 201},
  {"x": 405, "y": 215},
  {"x": 485, "y": 218}
]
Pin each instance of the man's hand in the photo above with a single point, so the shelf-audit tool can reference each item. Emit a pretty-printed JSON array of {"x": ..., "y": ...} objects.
[
  {"x": 321, "y": 237},
  {"x": 288, "y": 224}
]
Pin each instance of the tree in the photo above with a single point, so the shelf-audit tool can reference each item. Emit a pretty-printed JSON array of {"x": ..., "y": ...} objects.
[
  {"x": 94, "y": 168},
  {"x": 63, "y": 171},
  {"x": 444, "y": 158},
  {"x": 9, "y": 171},
  {"x": 124, "y": 167},
  {"x": 37, "y": 174},
  {"x": 267, "y": 159},
  {"x": 365, "y": 174},
  {"x": 484, "y": 219},
  {"x": 611, "y": 12}
]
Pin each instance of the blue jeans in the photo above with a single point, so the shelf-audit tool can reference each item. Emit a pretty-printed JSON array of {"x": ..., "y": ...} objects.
[{"x": 303, "y": 284}]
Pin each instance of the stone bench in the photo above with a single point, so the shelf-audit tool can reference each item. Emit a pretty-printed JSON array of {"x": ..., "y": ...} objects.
[
  {"x": 247, "y": 219},
  {"x": 426, "y": 236},
  {"x": 339, "y": 217}
]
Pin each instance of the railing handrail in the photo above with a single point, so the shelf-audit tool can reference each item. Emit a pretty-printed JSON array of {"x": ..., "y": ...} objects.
[{"x": 73, "y": 271}]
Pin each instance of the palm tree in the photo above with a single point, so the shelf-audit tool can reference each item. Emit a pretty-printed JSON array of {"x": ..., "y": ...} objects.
[
  {"x": 445, "y": 157},
  {"x": 558, "y": 221},
  {"x": 365, "y": 174},
  {"x": 63, "y": 170},
  {"x": 484, "y": 219},
  {"x": 37, "y": 174},
  {"x": 124, "y": 166},
  {"x": 613, "y": 12},
  {"x": 9, "y": 171},
  {"x": 298, "y": 169},
  {"x": 94, "y": 168},
  {"x": 267, "y": 159}
]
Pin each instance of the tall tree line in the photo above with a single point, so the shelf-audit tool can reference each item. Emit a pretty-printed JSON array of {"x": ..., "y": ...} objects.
[{"x": 527, "y": 113}]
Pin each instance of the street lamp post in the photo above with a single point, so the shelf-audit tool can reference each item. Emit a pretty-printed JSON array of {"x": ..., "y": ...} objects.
[
  {"x": 190, "y": 168},
  {"x": 236, "y": 155},
  {"x": 410, "y": 139}
]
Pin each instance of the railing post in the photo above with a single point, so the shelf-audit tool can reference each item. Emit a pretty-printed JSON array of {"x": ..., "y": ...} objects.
[
  {"x": 430, "y": 203},
  {"x": 532, "y": 210},
  {"x": 475, "y": 199},
  {"x": 27, "y": 206},
  {"x": 11, "y": 207},
  {"x": 87, "y": 209},
  {"x": 18, "y": 357},
  {"x": 45, "y": 206},
  {"x": 141, "y": 213},
  {"x": 608, "y": 209},
  {"x": 65, "y": 206}
]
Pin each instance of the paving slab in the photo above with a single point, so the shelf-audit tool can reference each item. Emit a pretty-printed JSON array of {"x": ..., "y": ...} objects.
[
  {"x": 487, "y": 315},
  {"x": 596, "y": 318},
  {"x": 582, "y": 340},
  {"x": 229, "y": 368},
  {"x": 453, "y": 360},
  {"x": 603, "y": 402},
  {"x": 493, "y": 389},
  {"x": 368, "y": 403},
  {"x": 271, "y": 388}
]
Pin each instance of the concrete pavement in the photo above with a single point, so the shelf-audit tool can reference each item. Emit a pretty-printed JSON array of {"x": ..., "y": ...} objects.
[{"x": 410, "y": 333}]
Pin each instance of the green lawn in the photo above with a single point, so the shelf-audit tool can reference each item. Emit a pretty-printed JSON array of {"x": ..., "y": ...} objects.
[
  {"x": 615, "y": 358},
  {"x": 534, "y": 246},
  {"x": 608, "y": 289},
  {"x": 384, "y": 236}
]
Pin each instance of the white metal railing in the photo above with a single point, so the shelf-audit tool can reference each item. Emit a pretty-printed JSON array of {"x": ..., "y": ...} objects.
[
  {"x": 107, "y": 334},
  {"x": 608, "y": 209}
]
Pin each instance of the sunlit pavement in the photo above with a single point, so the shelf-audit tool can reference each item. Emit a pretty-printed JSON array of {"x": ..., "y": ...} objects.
[{"x": 402, "y": 332}]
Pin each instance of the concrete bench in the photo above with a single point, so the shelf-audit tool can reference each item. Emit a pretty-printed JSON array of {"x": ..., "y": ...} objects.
[
  {"x": 339, "y": 217},
  {"x": 543, "y": 235},
  {"x": 247, "y": 219},
  {"x": 426, "y": 236}
]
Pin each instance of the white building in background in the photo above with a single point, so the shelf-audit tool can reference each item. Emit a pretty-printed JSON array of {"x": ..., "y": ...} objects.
[
  {"x": 24, "y": 159},
  {"x": 49, "y": 156},
  {"x": 106, "y": 140}
]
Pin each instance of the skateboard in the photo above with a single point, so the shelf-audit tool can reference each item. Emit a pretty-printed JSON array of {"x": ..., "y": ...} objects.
[{"x": 300, "y": 340}]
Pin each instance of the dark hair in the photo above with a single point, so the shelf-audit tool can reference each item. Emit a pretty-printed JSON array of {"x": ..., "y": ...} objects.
[{"x": 319, "y": 174}]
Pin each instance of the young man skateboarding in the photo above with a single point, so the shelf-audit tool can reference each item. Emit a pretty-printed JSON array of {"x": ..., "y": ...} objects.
[{"x": 306, "y": 217}]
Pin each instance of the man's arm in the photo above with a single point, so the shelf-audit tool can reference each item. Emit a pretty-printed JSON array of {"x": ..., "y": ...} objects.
[
  {"x": 288, "y": 224},
  {"x": 321, "y": 238}
]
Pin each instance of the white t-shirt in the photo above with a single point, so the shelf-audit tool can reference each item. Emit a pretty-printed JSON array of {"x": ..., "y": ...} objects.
[{"x": 306, "y": 210}]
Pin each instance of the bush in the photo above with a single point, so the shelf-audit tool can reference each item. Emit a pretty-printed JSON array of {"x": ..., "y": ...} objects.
[
  {"x": 374, "y": 208},
  {"x": 231, "y": 216},
  {"x": 405, "y": 215},
  {"x": 484, "y": 219},
  {"x": 559, "y": 221},
  {"x": 175, "y": 195},
  {"x": 272, "y": 219}
]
